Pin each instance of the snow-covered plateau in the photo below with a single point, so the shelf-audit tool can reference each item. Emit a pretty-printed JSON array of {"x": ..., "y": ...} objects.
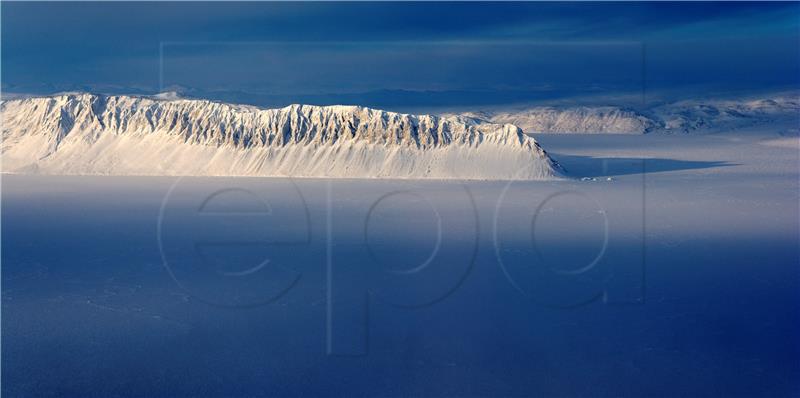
[{"x": 123, "y": 135}]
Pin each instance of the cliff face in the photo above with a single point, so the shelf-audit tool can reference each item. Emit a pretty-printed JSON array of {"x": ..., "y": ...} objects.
[{"x": 122, "y": 135}]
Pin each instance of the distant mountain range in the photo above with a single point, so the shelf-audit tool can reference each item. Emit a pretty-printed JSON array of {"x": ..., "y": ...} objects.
[{"x": 692, "y": 116}]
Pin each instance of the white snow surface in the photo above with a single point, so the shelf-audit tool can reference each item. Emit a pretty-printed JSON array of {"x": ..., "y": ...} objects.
[{"x": 80, "y": 133}]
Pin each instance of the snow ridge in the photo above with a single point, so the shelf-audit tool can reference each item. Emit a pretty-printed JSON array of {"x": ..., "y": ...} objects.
[{"x": 164, "y": 135}]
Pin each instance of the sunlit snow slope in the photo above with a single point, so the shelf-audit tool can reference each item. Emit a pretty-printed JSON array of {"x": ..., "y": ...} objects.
[{"x": 123, "y": 135}]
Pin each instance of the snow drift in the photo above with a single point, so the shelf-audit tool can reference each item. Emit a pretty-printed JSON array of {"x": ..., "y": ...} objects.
[{"x": 124, "y": 135}]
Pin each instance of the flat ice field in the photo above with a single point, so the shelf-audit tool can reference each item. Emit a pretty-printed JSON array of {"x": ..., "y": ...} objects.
[{"x": 667, "y": 265}]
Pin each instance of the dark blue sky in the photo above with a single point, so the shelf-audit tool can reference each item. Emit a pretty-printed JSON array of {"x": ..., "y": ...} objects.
[{"x": 401, "y": 54}]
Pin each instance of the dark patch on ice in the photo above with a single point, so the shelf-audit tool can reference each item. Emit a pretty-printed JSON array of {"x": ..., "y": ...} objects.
[{"x": 589, "y": 166}]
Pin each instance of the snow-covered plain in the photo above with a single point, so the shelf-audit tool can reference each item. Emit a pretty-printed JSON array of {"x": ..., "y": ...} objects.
[{"x": 674, "y": 258}]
